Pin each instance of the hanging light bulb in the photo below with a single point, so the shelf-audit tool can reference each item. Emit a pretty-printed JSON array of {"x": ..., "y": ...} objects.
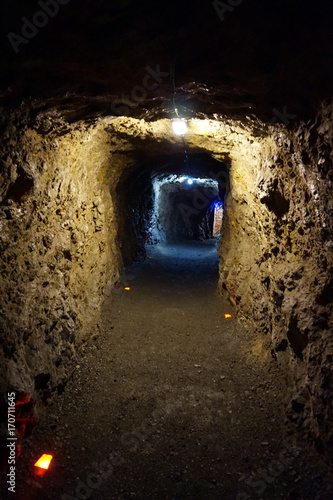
[{"x": 179, "y": 126}]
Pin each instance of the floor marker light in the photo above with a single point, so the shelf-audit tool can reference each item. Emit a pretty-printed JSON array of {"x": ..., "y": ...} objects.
[
  {"x": 127, "y": 288},
  {"x": 42, "y": 464},
  {"x": 227, "y": 316}
]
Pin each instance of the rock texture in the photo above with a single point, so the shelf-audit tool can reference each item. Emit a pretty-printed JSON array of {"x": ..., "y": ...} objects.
[
  {"x": 276, "y": 261},
  {"x": 65, "y": 189},
  {"x": 58, "y": 252}
]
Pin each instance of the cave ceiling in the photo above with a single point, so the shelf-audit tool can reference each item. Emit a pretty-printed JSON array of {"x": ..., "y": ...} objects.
[{"x": 271, "y": 60}]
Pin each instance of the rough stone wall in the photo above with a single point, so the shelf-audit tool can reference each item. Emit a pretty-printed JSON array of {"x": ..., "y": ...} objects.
[
  {"x": 276, "y": 262},
  {"x": 58, "y": 254},
  {"x": 134, "y": 205}
]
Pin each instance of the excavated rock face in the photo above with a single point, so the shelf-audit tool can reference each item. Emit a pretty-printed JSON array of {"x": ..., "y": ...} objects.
[
  {"x": 64, "y": 220},
  {"x": 86, "y": 101},
  {"x": 58, "y": 253},
  {"x": 276, "y": 261}
]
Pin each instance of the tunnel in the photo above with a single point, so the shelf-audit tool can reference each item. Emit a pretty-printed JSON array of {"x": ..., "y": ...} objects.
[
  {"x": 159, "y": 203},
  {"x": 166, "y": 250}
]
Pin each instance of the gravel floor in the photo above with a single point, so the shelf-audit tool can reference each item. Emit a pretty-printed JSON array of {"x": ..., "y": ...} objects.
[{"x": 171, "y": 401}]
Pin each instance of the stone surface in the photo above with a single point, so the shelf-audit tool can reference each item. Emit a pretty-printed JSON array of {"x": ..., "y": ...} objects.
[
  {"x": 276, "y": 260},
  {"x": 60, "y": 233}
]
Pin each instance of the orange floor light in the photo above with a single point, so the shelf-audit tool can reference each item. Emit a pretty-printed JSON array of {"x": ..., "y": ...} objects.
[
  {"x": 227, "y": 316},
  {"x": 127, "y": 288},
  {"x": 42, "y": 464}
]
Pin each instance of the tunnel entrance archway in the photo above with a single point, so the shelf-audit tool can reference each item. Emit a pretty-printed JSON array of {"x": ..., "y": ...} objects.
[{"x": 159, "y": 203}]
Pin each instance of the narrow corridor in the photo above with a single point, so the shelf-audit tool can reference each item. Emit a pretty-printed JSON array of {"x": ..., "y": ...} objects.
[{"x": 171, "y": 400}]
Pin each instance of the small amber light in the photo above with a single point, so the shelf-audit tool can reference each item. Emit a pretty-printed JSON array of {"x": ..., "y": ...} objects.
[
  {"x": 127, "y": 288},
  {"x": 42, "y": 464},
  {"x": 227, "y": 316},
  {"x": 44, "y": 461}
]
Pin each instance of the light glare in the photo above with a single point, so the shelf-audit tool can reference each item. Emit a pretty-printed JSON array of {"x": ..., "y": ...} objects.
[{"x": 179, "y": 127}]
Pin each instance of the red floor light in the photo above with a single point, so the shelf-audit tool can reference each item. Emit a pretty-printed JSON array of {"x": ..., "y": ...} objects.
[
  {"x": 42, "y": 464},
  {"x": 227, "y": 316}
]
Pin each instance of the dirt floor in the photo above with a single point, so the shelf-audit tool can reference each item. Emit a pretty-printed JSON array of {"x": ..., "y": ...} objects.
[{"x": 171, "y": 401}]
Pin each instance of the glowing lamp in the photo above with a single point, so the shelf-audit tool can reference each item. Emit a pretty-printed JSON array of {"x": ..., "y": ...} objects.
[
  {"x": 42, "y": 464},
  {"x": 227, "y": 316},
  {"x": 127, "y": 288},
  {"x": 179, "y": 126},
  {"x": 189, "y": 181}
]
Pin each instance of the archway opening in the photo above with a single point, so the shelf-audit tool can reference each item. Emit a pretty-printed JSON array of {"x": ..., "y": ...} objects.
[
  {"x": 170, "y": 217},
  {"x": 161, "y": 204}
]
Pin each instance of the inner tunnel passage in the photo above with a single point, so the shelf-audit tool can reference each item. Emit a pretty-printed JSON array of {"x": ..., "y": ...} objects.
[{"x": 164, "y": 204}]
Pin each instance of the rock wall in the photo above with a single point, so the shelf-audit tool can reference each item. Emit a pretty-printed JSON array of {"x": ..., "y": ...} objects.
[
  {"x": 135, "y": 205},
  {"x": 64, "y": 190},
  {"x": 276, "y": 262}
]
